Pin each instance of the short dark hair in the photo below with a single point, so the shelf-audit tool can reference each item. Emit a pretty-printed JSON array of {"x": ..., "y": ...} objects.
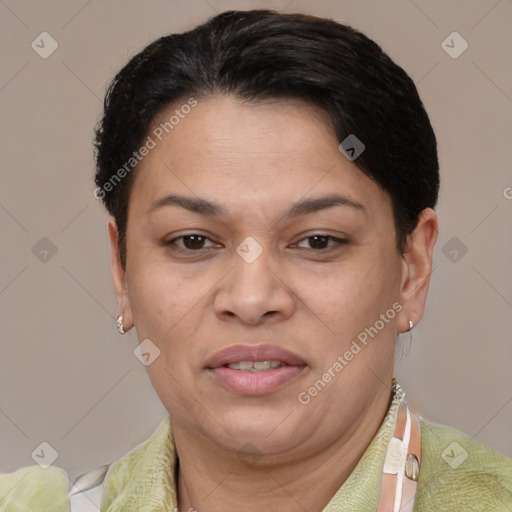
[{"x": 262, "y": 54}]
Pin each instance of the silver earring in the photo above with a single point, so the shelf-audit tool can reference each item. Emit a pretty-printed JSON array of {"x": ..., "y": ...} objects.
[
  {"x": 119, "y": 323},
  {"x": 411, "y": 325}
]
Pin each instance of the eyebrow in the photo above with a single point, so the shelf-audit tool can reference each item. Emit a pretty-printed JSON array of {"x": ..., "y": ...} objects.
[{"x": 302, "y": 207}]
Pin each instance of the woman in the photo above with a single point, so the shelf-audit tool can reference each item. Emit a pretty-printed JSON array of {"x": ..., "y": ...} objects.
[{"x": 271, "y": 181}]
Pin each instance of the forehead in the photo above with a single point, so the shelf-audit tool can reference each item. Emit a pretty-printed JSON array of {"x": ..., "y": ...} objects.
[
  {"x": 228, "y": 126},
  {"x": 248, "y": 153}
]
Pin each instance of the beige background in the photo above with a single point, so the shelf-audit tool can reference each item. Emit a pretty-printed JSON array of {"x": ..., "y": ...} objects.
[{"x": 67, "y": 377}]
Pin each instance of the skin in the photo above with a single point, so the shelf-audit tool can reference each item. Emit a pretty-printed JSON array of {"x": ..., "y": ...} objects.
[{"x": 256, "y": 160}]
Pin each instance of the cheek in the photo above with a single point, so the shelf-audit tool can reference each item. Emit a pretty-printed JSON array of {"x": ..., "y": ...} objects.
[
  {"x": 158, "y": 298},
  {"x": 168, "y": 302},
  {"x": 356, "y": 298}
]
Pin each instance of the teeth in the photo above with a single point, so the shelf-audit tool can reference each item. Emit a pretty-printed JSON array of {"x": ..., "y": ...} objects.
[
  {"x": 256, "y": 366},
  {"x": 262, "y": 365}
]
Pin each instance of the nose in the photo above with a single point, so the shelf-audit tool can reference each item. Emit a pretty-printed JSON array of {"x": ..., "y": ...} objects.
[{"x": 255, "y": 291}]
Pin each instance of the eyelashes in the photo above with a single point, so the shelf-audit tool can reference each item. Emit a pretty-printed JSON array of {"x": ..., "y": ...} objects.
[
  {"x": 316, "y": 236},
  {"x": 198, "y": 239}
]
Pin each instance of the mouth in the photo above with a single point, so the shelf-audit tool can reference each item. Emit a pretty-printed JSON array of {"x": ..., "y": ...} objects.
[
  {"x": 256, "y": 366},
  {"x": 256, "y": 357},
  {"x": 255, "y": 370}
]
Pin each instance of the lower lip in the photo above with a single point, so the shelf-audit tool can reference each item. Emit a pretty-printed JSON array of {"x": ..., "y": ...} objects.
[{"x": 255, "y": 383}]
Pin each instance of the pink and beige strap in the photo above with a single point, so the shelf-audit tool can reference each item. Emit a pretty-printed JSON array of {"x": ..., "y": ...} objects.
[{"x": 402, "y": 465}]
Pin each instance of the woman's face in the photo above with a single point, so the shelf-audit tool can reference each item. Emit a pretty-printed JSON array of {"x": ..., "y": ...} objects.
[{"x": 259, "y": 271}]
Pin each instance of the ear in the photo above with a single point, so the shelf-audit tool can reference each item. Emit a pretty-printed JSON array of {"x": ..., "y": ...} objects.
[
  {"x": 119, "y": 277},
  {"x": 417, "y": 268}
]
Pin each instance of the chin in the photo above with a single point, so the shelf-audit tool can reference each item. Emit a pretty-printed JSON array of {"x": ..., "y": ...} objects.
[{"x": 265, "y": 428}]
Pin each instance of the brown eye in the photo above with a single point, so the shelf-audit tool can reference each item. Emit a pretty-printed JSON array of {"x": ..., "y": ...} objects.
[
  {"x": 192, "y": 242},
  {"x": 319, "y": 242}
]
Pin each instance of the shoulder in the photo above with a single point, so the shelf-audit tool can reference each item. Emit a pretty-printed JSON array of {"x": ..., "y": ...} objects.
[
  {"x": 33, "y": 488},
  {"x": 460, "y": 474}
]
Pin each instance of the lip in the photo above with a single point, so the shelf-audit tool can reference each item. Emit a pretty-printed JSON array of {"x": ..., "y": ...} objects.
[
  {"x": 238, "y": 353},
  {"x": 254, "y": 383}
]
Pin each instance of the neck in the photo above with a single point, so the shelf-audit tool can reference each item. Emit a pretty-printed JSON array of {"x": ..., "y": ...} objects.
[{"x": 213, "y": 480}]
